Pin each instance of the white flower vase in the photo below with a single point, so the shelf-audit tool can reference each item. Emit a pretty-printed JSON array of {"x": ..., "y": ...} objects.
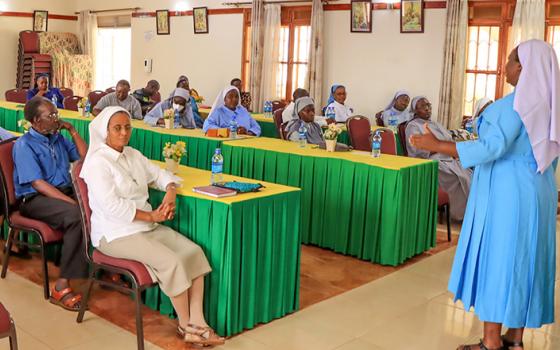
[
  {"x": 171, "y": 165},
  {"x": 168, "y": 123},
  {"x": 81, "y": 111},
  {"x": 330, "y": 145}
]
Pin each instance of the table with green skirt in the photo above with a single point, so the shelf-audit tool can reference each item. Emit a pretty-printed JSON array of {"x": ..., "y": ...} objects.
[{"x": 378, "y": 209}]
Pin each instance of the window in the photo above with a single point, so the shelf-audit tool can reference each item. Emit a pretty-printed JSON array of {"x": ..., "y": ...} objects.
[
  {"x": 293, "y": 55},
  {"x": 113, "y": 56},
  {"x": 553, "y": 25},
  {"x": 487, "y": 38}
]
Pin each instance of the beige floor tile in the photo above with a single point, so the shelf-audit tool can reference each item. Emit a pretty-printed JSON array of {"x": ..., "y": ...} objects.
[
  {"x": 121, "y": 340},
  {"x": 431, "y": 326},
  {"x": 358, "y": 344},
  {"x": 25, "y": 341},
  {"x": 532, "y": 340},
  {"x": 242, "y": 342}
]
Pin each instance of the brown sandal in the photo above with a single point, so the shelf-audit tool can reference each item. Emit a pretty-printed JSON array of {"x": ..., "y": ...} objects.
[
  {"x": 62, "y": 299},
  {"x": 204, "y": 336},
  {"x": 479, "y": 346}
]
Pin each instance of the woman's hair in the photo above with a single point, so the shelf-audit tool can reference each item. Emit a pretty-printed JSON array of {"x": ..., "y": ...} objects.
[
  {"x": 234, "y": 80},
  {"x": 32, "y": 106}
]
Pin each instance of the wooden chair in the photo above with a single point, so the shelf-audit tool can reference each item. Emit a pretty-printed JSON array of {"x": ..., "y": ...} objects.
[
  {"x": 71, "y": 102},
  {"x": 359, "y": 133},
  {"x": 17, "y": 222},
  {"x": 134, "y": 270},
  {"x": 16, "y": 95},
  {"x": 8, "y": 327}
]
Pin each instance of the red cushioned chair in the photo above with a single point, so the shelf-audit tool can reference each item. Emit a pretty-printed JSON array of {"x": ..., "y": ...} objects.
[
  {"x": 17, "y": 222},
  {"x": 16, "y": 95},
  {"x": 276, "y": 105},
  {"x": 31, "y": 62},
  {"x": 7, "y": 327},
  {"x": 402, "y": 136},
  {"x": 443, "y": 207},
  {"x": 111, "y": 89},
  {"x": 388, "y": 141},
  {"x": 71, "y": 102},
  {"x": 66, "y": 92},
  {"x": 95, "y": 96},
  {"x": 359, "y": 133},
  {"x": 280, "y": 126},
  {"x": 134, "y": 270}
]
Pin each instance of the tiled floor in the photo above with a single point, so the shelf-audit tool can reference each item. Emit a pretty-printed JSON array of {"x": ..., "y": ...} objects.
[{"x": 407, "y": 309}]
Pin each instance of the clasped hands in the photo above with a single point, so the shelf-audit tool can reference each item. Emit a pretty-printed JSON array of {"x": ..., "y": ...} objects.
[{"x": 166, "y": 210}]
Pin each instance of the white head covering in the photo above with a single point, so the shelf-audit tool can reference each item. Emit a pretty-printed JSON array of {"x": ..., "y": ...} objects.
[
  {"x": 184, "y": 93},
  {"x": 219, "y": 101},
  {"x": 479, "y": 105},
  {"x": 98, "y": 132},
  {"x": 397, "y": 95},
  {"x": 414, "y": 102},
  {"x": 537, "y": 100}
]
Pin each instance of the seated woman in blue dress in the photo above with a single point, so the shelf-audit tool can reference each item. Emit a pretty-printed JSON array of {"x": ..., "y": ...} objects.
[
  {"x": 505, "y": 263},
  {"x": 42, "y": 88},
  {"x": 228, "y": 107},
  {"x": 182, "y": 111}
]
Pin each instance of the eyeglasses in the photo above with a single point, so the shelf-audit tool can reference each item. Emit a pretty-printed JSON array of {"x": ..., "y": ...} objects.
[{"x": 53, "y": 116}]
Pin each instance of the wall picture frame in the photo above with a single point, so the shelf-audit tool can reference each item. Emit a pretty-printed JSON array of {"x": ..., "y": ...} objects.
[
  {"x": 361, "y": 16},
  {"x": 412, "y": 16},
  {"x": 200, "y": 20},
  {"x": 40, "y": 21},
  {"x": 162, "y": 22}
]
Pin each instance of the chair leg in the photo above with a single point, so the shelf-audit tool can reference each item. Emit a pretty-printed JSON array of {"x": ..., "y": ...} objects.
[
  {"x": 46, "y": 292},
  {"x": 448, "y": 222},
  {"x": 139, "y": 326},
  {"x": 13, "y": 336},
  {"x": 7, "y": 251},
  {"x": 85, "y": 299}
]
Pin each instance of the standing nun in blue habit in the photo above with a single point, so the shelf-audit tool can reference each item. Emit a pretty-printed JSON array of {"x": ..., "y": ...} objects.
[{"x": 506, "y": 257}]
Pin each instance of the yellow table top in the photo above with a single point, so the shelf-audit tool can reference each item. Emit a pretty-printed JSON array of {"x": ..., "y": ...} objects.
[
  {"x": 257, "y": 116},
  {"x": 277, "y": 145},
  {"x": 193, "y": 177}
]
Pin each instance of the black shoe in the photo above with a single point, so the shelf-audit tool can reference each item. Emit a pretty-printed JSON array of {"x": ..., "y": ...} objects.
[
  {"x": 507, "y": 344},
  {"x": 22, "y": 253}
]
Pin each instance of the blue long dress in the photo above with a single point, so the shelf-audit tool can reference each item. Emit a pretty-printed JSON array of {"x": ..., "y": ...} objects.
[{"x": 506, "y": 257}]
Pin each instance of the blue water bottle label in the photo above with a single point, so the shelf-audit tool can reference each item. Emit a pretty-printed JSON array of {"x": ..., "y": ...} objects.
[
  {"x": 217, "y": 168},
  {"x": 376, "y": 145}
]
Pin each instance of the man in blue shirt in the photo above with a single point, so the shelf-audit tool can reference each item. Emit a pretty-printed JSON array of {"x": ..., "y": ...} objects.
[{"x": 43, "y": 185}]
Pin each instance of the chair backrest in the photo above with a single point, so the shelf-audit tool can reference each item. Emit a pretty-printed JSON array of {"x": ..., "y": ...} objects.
[
  {"x": 379, "y": 120},
  {"x": 66, "y": 92},
  {"x": 95, "y": 96},
  {"x": 388, "y": 141},
  {"x": 7, "y": 176},
  {"x": 109, "y": 90},
  {"x": 81, "y": 192},
  {"x": 277, "y": 116},
  {"x": 402, "y": 136},
  {"x": 156, "y": 97},
  {"x": 276, "y": 105},
  {"x": 29, "y": 41},
  {"x": 71, "y": 102},
  {"x": 16, "y": 95},
  {"x": 359, "y": 132}
]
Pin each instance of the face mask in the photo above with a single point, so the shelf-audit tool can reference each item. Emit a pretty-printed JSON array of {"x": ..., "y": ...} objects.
[{"x": 178, "y": 107}]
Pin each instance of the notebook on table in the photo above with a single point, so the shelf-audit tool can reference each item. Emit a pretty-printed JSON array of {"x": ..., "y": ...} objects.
[{"x": 214, "y": 191}]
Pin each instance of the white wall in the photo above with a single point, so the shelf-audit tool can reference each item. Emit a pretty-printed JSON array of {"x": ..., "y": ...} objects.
[
  {"x": 11, "y": 26},
  {"x": 373, "y": 66}
]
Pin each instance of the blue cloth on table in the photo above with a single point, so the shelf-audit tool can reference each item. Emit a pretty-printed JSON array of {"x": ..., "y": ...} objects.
[
  {"x": 221, "y": 118},
  {"x": 506, "y": 257},
  {"x": 48, "y": 95},
  {"x": 40, "y": 157},
  {"x": 5, "y": 134}
]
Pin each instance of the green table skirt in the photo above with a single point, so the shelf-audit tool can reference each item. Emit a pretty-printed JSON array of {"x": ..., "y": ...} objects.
[
  {"x": 150, "y": 143},
  {"x": 376, "y": 214},
  {"x": 253, "y": 248}
]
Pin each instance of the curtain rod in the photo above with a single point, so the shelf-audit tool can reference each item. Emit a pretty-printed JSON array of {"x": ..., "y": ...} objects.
[
  {"x": 114, "y": 10},
  {"x": 272, "y": 2}
]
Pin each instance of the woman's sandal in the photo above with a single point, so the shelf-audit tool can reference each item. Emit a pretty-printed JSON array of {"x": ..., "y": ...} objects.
[
  {"x": 204, "y": 336},
  {"x": 479, "y": 346},
  {"x": 62, "y": 299},
  {"x": 507, "y": 344}
]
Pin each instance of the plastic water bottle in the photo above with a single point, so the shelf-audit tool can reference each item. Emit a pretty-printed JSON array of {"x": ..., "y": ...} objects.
[
  {"x": 217, "y": 167},
  {"x": 267, "y": 109},
  {"x": 302, "y": 137},
  {"x": 233, "y": 127},
  {"x": 376, "y": 145},
  {"x": 177, "y": 118},
  {"x": 87, "y": 109},
  {"x": 330, "y": 113},
  {"x": 469, "y": 125},
  {"x": 393, "y": 122},
  {"x": 54, "y": 100}
]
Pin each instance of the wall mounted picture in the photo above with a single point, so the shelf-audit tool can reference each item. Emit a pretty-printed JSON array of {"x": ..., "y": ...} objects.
[
  {"x": 162, "y": 22},
  {"x": 360, "y": 16},
  {"x": 200, "y": 20},
  {"x": 412, "y": 16},
  {"x": 40, "y": 21}
]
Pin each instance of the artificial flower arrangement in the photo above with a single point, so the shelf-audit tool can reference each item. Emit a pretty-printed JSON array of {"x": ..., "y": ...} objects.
[
  {"x": 173, "y": 154},
  {"x": 332, "y": 132},
  {"x": 25, "y": 124}
]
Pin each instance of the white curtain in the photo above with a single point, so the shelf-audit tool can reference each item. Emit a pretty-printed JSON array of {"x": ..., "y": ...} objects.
[
  {"x": 257, "y": 48},
  {"x": 314, "y": 79},
  {"x": 528, "y": 21},
  {"x": 450, "y": 111},
  {"x": 271, "y": 53},
  {"x": 87, "y": 35}
]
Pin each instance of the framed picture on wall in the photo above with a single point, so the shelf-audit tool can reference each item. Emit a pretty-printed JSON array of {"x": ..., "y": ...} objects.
[
  {"x": 412, "y": 16},
  {"x": 40, "y": 21},
  {"x": 162, "y": 22},
  {"x": 200, "y": 20},
  {"x": 360, "y": 16}
]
